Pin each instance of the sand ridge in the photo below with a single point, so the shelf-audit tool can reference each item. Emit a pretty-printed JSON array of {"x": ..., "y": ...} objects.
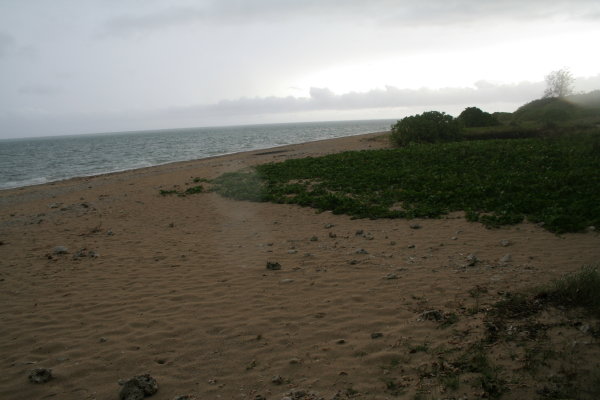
[{"x": 179, "y": 287}]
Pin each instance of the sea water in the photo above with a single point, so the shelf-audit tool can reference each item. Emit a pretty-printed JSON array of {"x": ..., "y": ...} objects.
[{"x": 33, "y": 161}]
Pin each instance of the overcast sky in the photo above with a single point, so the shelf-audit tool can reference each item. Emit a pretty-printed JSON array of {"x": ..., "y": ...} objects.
[{"x": 74, "y": 66}]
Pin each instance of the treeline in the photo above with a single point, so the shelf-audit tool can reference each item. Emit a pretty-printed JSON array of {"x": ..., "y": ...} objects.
[{"x": 546, "y": 116}]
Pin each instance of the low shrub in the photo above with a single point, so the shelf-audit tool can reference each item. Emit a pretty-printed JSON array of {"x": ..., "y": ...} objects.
[{"x": 429, "y": 127}]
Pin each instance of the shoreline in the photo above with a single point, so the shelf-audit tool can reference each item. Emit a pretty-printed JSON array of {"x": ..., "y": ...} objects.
[{"x": 187, "y": 161}]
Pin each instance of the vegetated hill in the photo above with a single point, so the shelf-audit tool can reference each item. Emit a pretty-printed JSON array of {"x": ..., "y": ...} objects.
[{"x": 560, "y": 109}]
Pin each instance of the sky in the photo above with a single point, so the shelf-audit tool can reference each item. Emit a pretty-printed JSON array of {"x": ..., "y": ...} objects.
[{"x": 75, "y": 67}]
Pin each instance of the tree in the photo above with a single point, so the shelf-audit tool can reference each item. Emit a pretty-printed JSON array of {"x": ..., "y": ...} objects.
[
  {"x": 474, "y": 117},
  {"x": 431, "y": 126},
  {"x": 559, "y": 83}
]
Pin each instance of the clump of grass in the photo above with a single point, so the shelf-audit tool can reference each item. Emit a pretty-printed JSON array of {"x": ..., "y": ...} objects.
[
  {"x": 498, "y": 182},
  {"x": 194, "y": 189},
  {"x": 475, "y": 360},
  {"x": 394, "y": 388},
  {"x": 191, "y": 190},
  {"x": 420, "y": 348},
  {"x": 450, "y": 319},
  {"x": 514, "y": 306},
  {"x": 451, "y": 381},
  {"x": 581, "y": 289}
]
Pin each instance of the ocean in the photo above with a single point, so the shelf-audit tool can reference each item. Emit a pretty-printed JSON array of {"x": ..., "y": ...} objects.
[{"x": 32, "y": 161}]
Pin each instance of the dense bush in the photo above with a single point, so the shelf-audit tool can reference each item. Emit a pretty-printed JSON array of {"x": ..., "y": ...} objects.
[
  {"x": 429, "y": 127},
  {"x": 474, "y": 117},
  {"x": 547, "y": 110}
]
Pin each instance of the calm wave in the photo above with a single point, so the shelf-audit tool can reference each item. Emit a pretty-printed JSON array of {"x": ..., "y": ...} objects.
[{"x": 26, "y": 162}]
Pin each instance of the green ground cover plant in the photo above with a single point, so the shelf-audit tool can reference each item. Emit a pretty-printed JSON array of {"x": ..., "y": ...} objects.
[{"x": 550, "y": 180}]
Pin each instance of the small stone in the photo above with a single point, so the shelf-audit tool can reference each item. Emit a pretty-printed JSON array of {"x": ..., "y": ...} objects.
[
  {"x": 273, "y": 266},
  {"x": 391, "y": 276},
  {"x": 314, "y": 239},
  {"x": 102, "y": 340},
  {"x": 411, "y": 246},
  {"x": 359, "y": 232},
  {"x": 80, "y": 253},
  {"x": 392, "y": 243},
  {"x": 591, "y": 228},
  {"x": 286, "y": 281},
  {"x": 110, "y": 232},
  {"x": 376, "y": 335},
  {"x": 472, "y": 260},
  {"x": 141, "y": 385},
  {"x": 292, "y": 251},
  {"x": 93, "y": 254},
  {"x": 277, "y": 379},
  {"x": 415, "y": 226},
  {"x": 361, "y": 251},
  {"x": 259, "y": 397},
  {"x": 584, "y": 328},
  {"x": 332, "y": 235},
  {"x": 340, "y": 341},
  {"x": 506, "y": 258},
  {"x": 432, "y": 315},
  {"x": 329, "y": 226},
  {"x": 505, "y": 243},
  {"x": 454, "y": 238},
  {"x": 295, "y": 361},
  {"x": 40, "y": 375},
  {"x": 353, "y": 262},
  {"x": 60, "y": 250}
]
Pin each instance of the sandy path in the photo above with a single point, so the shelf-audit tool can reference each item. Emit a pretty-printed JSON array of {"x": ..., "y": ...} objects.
[{"x": 180, "y": 290}]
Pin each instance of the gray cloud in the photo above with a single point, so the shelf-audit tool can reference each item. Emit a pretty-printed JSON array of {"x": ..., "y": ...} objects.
[
  {"x": 6, "y": 42},
  {"x": 39, "y": 90},
  {"x": 391, "y": 97},
  {"x": 400, "y": 13}
]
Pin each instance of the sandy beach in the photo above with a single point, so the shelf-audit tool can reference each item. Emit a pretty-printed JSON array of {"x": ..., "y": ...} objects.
[{"x": 177, "y": 287}]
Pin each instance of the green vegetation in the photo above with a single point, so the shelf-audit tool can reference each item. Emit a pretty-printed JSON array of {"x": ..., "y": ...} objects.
[
  {"x": 474, "y": 117},
  {"x": 476, "y": 360},
  {"x": 429, "y": 127},
  {"x": 581, "y": 289},
  {"x": 450, "y": 319},
  {"x": 521, "y": 337},
  {"x": 580, "y": 109},
  {"x": 190, "y": 190},
  {"x": 194, "y": 189},
  {"x": 551, "y": 180}
]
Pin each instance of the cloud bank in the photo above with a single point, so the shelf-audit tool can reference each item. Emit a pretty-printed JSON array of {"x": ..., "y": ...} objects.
[{"x": 389, "y": 97}]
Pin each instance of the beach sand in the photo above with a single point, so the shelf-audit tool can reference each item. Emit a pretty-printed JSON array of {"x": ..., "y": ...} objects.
[{"x": 177, "y": 287}]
